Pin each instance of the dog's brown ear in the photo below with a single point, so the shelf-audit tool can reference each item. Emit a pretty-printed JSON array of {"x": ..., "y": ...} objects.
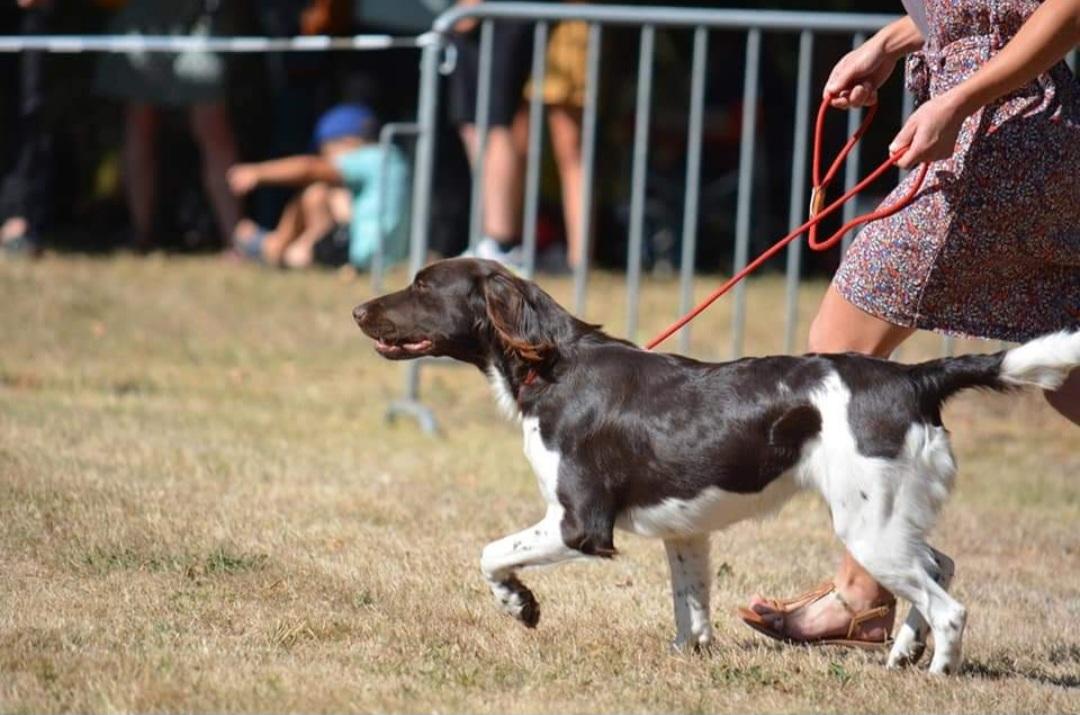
[{"x": 515, "y": 309}]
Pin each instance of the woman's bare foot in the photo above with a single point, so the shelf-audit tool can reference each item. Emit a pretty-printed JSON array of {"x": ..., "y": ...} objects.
[{"x": 827, "y": 614}]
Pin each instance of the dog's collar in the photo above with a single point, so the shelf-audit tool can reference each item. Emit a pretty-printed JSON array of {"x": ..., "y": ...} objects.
[{"x": 530, "y": 378}]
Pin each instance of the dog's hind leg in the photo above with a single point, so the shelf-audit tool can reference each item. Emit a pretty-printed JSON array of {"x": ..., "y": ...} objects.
[
  {"x": 910, "y": 641},
  {"x": 540, "y": 545},
  {"x": 902, "y": 564},
  {"x": 689, "y": 562}
]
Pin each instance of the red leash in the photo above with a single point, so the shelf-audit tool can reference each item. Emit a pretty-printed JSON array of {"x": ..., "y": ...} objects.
[{"x": 818, "y": 212}]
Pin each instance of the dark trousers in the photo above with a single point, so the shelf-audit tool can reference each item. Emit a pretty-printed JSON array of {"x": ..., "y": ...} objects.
[{"x": 25, "y": 190}]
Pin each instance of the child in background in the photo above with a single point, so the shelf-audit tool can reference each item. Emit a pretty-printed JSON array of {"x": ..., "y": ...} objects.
[{"x": 336, "y": 217}]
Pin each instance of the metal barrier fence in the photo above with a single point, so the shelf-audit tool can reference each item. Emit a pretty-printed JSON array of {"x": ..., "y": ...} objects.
[
  {"x": 648, "y": 20},
  {"x": 807, "y": 25},
  {"x": 78, "y": 44}
]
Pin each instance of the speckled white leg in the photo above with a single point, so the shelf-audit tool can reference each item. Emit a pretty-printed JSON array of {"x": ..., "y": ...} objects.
[
  {"x": 910, "y": 641},
  {"x": 539, "y": 545},
  {"x": 689, "y": 562}
]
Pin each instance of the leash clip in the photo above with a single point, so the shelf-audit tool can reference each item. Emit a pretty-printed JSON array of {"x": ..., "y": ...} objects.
[{"x": 817, "y": 200}]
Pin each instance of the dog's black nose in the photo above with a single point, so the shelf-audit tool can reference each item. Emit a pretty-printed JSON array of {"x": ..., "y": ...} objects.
[{"x": 359, "y": 313}]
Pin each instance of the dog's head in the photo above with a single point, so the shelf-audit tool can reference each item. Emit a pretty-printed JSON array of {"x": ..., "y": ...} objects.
[{"x": 470, "y": 310}]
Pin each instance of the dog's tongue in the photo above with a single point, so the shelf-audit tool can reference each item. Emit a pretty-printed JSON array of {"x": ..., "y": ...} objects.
[{"x": 409, "y": 347}]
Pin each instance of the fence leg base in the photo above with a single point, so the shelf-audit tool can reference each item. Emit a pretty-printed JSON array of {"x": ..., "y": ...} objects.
[{"x": 415, "y": 410}]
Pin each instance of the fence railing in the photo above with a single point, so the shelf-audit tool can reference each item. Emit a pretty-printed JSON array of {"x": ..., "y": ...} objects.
[
  {"x": 647, "y": 20},
  {"x": 807, "y": 25},
  {"x": 64, "y": 44}
]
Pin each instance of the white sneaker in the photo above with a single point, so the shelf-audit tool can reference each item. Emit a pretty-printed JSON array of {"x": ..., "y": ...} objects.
[{"x": 490, "y": 249}]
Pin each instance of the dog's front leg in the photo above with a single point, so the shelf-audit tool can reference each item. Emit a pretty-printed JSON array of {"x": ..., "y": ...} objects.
[
  {"x": 689, "y": 562},
  {"x": 539, "y": 545}
]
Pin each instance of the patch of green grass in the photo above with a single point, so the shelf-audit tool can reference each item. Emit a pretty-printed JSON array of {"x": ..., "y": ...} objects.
[{"x": 219, "y": 561}]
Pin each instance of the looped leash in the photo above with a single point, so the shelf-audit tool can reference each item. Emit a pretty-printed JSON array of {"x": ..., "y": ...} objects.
[{"x": 819, "y": 211}]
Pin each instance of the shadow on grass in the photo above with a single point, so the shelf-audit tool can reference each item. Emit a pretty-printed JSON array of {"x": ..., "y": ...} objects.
[
  {"x": 997, "y": 667},
  {"x": 1003, "y": 667}
]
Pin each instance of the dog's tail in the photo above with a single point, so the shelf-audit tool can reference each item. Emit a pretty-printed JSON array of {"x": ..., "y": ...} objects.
[{"x": 1044, "y": 362}]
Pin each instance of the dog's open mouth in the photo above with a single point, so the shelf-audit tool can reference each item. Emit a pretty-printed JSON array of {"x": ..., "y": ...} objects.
[{"x": 403, "y": 348}]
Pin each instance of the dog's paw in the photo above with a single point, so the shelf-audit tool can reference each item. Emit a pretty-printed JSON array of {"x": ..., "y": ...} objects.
[
  {"x": 905, "y": 653},
  {"x": 693, "y": 643},
  {"x": 517, "y": 600}
]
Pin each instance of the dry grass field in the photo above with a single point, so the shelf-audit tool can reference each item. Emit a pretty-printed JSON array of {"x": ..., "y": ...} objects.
[{"x": 202, "y": 508}]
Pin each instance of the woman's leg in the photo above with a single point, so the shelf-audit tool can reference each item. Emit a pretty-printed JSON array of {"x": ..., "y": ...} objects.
[
  {"x": 469, "y": 141},
  {"x": 841, "y": 327},
  {"x": 213, "y": 131},
  {"x": 503, "y": 179},
  {"x": 140, "y": 169},
  {"x": 565, "y": 124}
]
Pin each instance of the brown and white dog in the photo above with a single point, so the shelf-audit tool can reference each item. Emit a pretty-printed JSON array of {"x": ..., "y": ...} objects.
[{"x": 668, "y": 447}]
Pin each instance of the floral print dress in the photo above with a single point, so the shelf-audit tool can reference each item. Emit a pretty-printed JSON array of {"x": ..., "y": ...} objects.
[{"x": 991, "y": 245}]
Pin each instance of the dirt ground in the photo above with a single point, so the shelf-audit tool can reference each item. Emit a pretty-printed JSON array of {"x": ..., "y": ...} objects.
[{"x": 202, "y": 508}]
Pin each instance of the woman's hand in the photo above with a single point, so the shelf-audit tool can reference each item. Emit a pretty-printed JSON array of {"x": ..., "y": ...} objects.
[
  {"x": 930, "y": 132},
  {"x": 855, "y": 79}
]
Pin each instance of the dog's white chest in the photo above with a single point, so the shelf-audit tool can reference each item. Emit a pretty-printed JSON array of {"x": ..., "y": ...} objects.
[
  {"x": 544, "y": 461},
  {"x": 711, "y": 510}
]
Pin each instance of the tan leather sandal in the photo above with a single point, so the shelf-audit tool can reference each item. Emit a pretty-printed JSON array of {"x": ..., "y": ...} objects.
[
  {"x": 883, "y": 609},
  {"x": 787, "y": 605}
]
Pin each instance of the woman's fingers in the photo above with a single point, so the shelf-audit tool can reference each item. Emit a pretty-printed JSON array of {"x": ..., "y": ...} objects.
[
  {"x": 863, "y": 94},
  {"x": 847, "y": 72},
  {"x": 929, "y": 134},
  {"x": 904, "y": 141}
]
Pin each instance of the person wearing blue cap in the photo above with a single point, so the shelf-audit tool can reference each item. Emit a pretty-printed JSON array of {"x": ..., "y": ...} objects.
[{"x": 336, "y": 217}]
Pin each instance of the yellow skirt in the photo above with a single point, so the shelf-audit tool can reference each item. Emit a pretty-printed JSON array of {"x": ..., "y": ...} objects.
[{"x": 564, "y": 80}]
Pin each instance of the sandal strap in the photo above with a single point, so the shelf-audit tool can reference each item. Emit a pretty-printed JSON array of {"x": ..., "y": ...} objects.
[
  {"x": 786, "y": 605},
  {"x": 879, "y": 610}
]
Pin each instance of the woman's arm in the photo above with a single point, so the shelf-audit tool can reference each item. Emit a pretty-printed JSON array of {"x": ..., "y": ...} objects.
[
  {"x": 855, "y": 79},
  {"x": 1047, "y": 36}
]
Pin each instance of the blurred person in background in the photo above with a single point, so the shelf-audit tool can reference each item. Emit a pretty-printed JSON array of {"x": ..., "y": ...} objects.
[
  {"x": 352, "y": 195},
  {"x": 511, "y": 52},
  {"x": 563, "y": 95},
  {"x": 193, "y": 81},
  {"x": 299, "y": 85},
  {"x": 24, "y": 192}
]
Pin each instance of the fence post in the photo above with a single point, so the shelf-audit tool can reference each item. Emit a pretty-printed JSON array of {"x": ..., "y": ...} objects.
[
  {"x": 796, "y": 205},
  {"x": 851, "y": 165},
  {"x": 535, "y": 148},
  {"x": 386, "y": 143},
  {"x": 588, "y": 152},
  {"x": 746, "y": 176},
  {"x": 482, "y": 124},
  {"x": 639, "y": 173},
  {"x": 420, "y": 222},
  {"x": 693, "y": 179}
]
